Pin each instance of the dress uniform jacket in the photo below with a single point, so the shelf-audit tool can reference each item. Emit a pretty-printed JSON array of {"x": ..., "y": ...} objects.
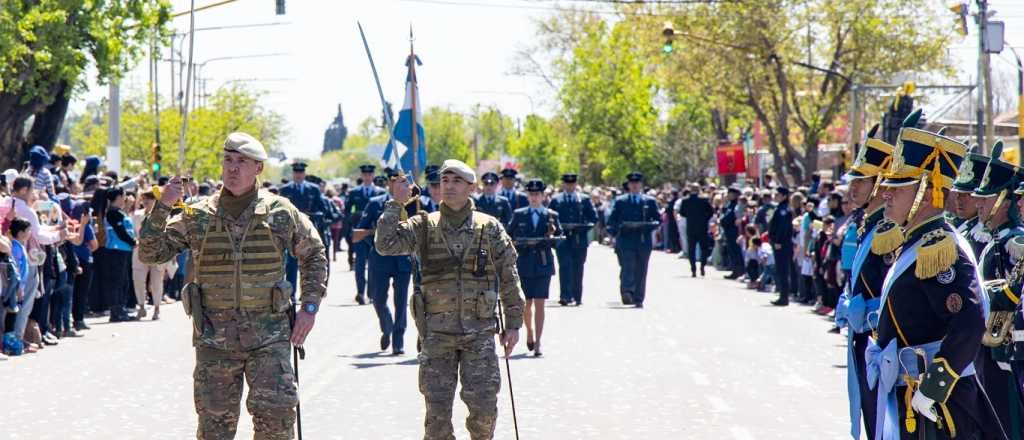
[
  {"x": 496, "y": 206},
  {"x": 534, "y": 260}
]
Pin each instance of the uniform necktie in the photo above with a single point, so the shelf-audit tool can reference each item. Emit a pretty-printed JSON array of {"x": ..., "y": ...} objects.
[{"x": 536, "y": 217}]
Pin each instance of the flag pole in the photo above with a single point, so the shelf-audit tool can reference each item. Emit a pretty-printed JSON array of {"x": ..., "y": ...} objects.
[
  {"x": 415, "y": 91},
  {"x": 383, "y": 102}
]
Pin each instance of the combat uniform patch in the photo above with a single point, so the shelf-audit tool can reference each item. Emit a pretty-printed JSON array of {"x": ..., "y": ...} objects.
[{"x": 954, "y": 303}]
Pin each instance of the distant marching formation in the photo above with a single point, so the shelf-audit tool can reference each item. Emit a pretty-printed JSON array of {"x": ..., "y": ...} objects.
[{"x": 936, "y": 334}]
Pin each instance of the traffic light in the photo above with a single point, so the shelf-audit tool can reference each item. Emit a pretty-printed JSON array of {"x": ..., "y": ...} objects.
[
  {"x": 156, "y": 160},
  {"x": 280, "y": 7},
  {"x": 961, "y": 10},
  {"x": 669, "y": 33}
]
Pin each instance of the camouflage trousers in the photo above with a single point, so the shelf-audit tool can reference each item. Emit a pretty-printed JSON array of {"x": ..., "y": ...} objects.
[
  {"x": 272, "y": 391},
  {"x": 446, "y": 359}
]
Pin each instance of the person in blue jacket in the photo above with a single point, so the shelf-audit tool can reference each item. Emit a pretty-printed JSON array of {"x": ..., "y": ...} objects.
[
  {"x": 634, "y": 216},
  {"x": 577, "y": 215},
  {"x": 531, "y": 228},
  {"x": 384, "y": 270},
  {"x": 492, "y": 203}
]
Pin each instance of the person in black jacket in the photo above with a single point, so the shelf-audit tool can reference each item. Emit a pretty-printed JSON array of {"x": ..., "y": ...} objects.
[
  {"x": 698, "y": 211},
  {"x": 731, "y": 232},
  {"x": 780, "y": 234}
]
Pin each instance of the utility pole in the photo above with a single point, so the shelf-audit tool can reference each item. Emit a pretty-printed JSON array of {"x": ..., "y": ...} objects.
[
  {"x": 986, "y": 132},
  {"x": 982, "y": 60},
  {"x": 114, "y": 129}
]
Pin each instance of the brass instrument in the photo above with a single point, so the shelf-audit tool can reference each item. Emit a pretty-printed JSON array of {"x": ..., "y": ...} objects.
[{"x": 1000, "y": 321}]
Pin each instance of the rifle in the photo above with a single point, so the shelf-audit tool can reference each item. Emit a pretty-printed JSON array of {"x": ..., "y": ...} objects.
[
  {"x": 575, "y": 226},
  {"x": 534, "y": 241},
  {"x": 639, "y": 225}
]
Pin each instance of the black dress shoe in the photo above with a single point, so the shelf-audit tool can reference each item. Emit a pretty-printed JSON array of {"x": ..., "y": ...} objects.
[
  {"x": 397, "y": 352},
  {"x": 693, "y": 274},
  {"x": 733, "y": 276},
  {"x": 81, "y": 326},
  {"x": 627, "y": 298},
  {"x": 579, "y": 303},
  {"x": 530, "y": 345},
  {"x": 702, "y": 271},
  {"x": 639, "y": 305},
  {"x": 563, "y": 302},
  {"x": 385, "y": 342},
  {"x": 779, "y": 303},
  {"x": 834, "y": 330},
  {"x": 360, "y": 300}
]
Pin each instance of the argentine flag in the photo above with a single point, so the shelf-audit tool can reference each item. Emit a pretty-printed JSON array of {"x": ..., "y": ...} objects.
[{"x": 401, "y": 145}]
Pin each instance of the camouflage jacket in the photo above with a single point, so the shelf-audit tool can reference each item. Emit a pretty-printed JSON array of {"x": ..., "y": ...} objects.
[
  {"x": 455, "y": 294},
  {"x": 161, "y": 239}
]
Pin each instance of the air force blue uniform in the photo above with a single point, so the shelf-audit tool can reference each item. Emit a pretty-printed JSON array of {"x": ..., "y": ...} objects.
[
  {"x": 535, "y": 263},
  {"x": 573, "y": 208},
  {"x": 395, "y": 270},
  {"x": 515, "y": 198},
  {"x": 308, "y": 199},
  {"x": 496, "y": 206},
  {"x": 633, "y": 243},
  {"x": 358, "y": 199}
]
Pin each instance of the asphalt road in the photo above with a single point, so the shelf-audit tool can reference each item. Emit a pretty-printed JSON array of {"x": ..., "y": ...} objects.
[{"x": 705, "y": 359}]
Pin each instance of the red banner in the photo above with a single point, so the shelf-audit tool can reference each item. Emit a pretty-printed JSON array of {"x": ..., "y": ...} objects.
[{"x": 730, "y": 159}]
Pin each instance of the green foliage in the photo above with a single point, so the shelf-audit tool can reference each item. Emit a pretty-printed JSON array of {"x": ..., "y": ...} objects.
[
  {"x": 341, "y": 163},
  {"x": 448, "y": 134},
  {"x": 230, "y": 109},
  {"x": 542, "y": 149},
  {"x": 46, "y": 42},
  {"x": 493, "y": 130},
  {"x": 608, "y": 99}
]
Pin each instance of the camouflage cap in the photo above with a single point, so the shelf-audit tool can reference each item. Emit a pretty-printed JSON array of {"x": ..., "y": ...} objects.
[{"x": 245, "y": 145}]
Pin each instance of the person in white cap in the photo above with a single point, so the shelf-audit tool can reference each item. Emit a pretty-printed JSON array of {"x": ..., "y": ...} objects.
[
  {"x": 237, "y": 296},
  {"x": 462, "y": 252}
]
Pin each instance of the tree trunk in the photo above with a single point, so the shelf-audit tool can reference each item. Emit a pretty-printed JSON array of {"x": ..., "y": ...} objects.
[{"x": 46, "y": 127}]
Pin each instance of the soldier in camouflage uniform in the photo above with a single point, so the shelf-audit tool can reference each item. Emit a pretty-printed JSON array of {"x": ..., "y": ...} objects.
[
  {"x": 464, "y": 255},
  {"x": 237, "y": 295}
]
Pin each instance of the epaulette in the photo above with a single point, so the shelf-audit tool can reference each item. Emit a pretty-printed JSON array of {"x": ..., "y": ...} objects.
[
  {"x": 1015, "y": 248},
  {"x": 888, "y": 237},
  {"x": 936, "y": 253}
]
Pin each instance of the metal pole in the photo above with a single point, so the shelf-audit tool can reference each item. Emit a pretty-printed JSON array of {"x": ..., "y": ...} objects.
[
  {"x": 1020, "y": 103},
  {"x": 174, "y": 99},
  {"x": 188, "y": 82},
  {"x": 114, "y": 129},
  {"x": 415, "y": 89},
  {"x": 156, "y": 103},
  {"x": 980, "y": 112}
]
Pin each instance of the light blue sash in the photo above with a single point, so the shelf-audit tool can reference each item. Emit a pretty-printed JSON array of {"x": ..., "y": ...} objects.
[
  {"x": 885, "y": 364},
  {"x": 852, "y": 312}
]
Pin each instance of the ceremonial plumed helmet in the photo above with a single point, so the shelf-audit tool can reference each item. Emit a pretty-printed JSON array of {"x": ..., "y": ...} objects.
[
  {"x": 999, "y": 175},
  {"x": 921, "y": 154},
  {"x": 971, "y": 171},
  {"x": 873, "y": 157}
]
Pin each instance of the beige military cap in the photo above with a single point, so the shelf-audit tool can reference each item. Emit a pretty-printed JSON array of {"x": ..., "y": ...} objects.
[
  {"x": 459, "y": 168},
  {"x": 246, "y": 145}
]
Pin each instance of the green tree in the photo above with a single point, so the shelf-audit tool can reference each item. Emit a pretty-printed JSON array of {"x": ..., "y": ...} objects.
[
  {"x": 492, "y": 130},
  {"x": 230, "y": 109},
  {"x": 608, "y": 98},
  {"x": 46, "y": 47},
  {"x": 542, "y": 149},
  {"x": 793, "y": 63},
  {"x": 448, "y": 135}
]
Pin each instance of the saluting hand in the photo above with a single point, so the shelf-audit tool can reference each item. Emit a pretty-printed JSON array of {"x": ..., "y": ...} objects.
[
  {"x": 172, "y": 191},
  {"x": 401, "y": 191}
]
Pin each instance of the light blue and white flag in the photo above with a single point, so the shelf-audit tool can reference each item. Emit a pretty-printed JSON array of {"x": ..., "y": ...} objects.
[{"x": 401, "y": 147}]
